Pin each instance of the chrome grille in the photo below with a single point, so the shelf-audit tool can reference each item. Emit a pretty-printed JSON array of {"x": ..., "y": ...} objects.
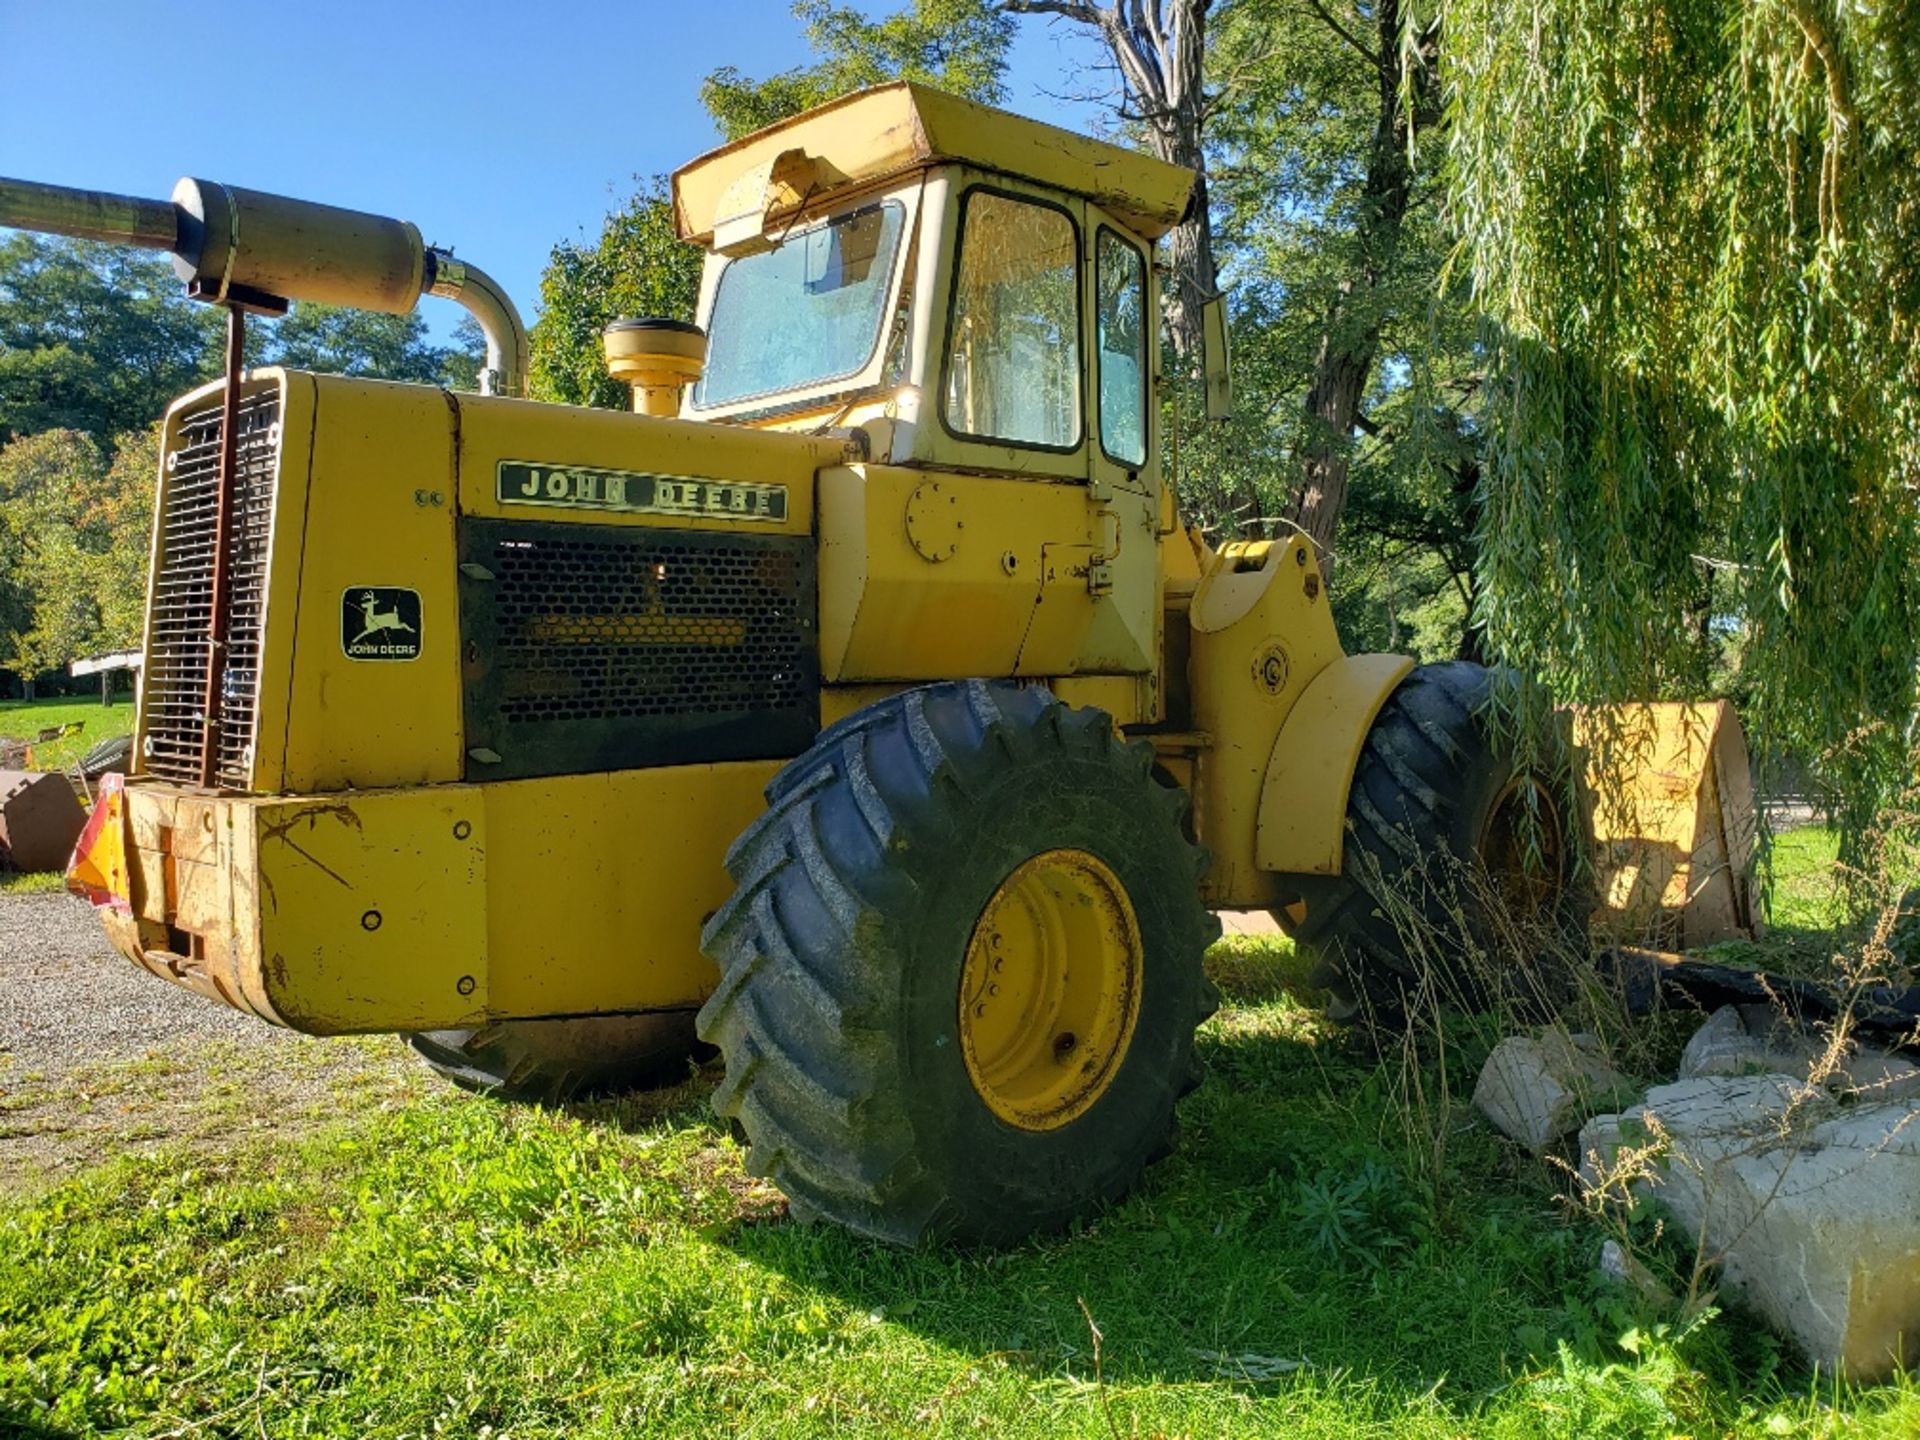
[{"x": 182, "y": 601}]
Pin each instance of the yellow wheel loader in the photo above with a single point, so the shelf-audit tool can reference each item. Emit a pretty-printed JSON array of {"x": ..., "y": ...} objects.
[{"x": 857, "y": 705}]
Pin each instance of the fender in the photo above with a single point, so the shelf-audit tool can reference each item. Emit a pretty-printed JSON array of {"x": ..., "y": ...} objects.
[{"x": 1303, "y": 800}]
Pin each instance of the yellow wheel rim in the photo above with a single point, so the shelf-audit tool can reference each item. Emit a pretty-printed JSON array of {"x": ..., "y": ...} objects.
[{"x": 1050, "y": 990}]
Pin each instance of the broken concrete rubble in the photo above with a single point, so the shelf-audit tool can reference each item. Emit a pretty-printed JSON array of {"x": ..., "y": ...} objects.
[
  {"x": 1810, "y": 1205},
  {"x": 1752, "y": 1040},
  {"x": 1537, "y": 1088}
]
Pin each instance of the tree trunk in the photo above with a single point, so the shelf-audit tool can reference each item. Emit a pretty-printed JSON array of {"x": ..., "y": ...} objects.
[
  {"x": 1160, "y": 51},
  {"x": 1177, "y": 136},
  {"x": 1350, "y": 335}
]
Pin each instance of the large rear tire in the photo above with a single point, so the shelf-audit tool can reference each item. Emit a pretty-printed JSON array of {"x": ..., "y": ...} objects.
[
  {"x": 554, "y": 1061},
  {"x": 1460, "y": 881},
  {"x": 961, "y": 973}
]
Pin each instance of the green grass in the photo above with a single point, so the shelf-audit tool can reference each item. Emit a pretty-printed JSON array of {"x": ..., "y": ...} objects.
[
  {"x": 22, "y": 720},
  {"x": 432, "y": 1263},
  {"x": 37, "y": 882}
]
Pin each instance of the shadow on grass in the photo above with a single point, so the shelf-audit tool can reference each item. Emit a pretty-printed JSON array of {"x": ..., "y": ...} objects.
[
  {"x": 1302, "y": 1226},
  {"x": 20, "y": 1423}
]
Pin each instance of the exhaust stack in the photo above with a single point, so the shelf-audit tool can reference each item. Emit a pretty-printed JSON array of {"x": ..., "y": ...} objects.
[{"x": 246, "y": 247}]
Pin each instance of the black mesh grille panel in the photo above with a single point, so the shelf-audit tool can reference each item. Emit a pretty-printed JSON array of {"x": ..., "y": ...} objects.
[
  {"x": 602, "y": 647},
  {"x": 174, "y": 686}
]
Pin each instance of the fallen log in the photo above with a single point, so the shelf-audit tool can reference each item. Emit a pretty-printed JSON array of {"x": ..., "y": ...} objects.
[{"x": 1650, "y": 979}]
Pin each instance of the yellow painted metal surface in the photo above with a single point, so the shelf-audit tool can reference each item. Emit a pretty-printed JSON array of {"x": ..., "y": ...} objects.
[
  {"x": 1260, "y": 631},
  {"x": 367, "y": 911},
  {"x": 873, "y": 135},
  {"x": 1303, "y": 798},
  {"x": 1673, "y": 822},
  {"x": 1124, "y": 697},
  {"x": 365, "y": 506},
  {"x": 579, "y": 442},
  {"x": 1050, "y": 990},
  {"x": 890, "y": 612},
  {"x": 601, "y": 884},
  {"x": 436, "y": 905}
]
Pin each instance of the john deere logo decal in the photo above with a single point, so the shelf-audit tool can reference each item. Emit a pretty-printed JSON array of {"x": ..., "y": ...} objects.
[{"x": 380, "y": 622}]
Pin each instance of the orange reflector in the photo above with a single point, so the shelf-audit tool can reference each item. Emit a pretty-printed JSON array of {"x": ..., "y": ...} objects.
[{"x": 98, "y": 870}]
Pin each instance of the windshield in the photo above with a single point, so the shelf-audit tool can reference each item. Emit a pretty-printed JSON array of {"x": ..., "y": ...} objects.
[{"x": 804, "y": 313}]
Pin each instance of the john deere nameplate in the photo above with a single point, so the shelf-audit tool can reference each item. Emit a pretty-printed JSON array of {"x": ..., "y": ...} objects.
[{"x": 631, "y": 491}]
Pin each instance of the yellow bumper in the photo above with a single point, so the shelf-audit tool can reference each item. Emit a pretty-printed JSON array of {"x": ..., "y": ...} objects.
[{"x": 446, "y": 905}]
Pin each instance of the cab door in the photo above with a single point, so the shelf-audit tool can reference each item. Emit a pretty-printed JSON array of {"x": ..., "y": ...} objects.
[{"x": 1122, "y": 444}]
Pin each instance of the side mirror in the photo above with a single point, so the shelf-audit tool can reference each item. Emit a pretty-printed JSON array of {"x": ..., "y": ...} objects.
[{"x": 1216, "y": 359}]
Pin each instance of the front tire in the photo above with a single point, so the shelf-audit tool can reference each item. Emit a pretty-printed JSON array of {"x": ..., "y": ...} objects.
[
  {"x": 1459, "y": 882},
  {"x": 925, "y": 850}
]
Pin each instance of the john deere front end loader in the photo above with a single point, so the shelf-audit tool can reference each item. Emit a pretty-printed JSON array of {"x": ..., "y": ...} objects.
[{"x": 858, "y": 703}]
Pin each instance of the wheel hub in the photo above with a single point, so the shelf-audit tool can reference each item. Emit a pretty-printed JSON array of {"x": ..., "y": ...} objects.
[
  {"x": 1522, "y": 847},
  {"x": 1050, "y": 990}
]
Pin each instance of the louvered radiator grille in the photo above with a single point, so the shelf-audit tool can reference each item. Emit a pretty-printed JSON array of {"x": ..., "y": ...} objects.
[{"x": 182, "y": 602}]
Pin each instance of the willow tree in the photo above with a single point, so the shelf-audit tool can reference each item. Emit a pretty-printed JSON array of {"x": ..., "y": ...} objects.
[{"x": 1692, "y": 226}]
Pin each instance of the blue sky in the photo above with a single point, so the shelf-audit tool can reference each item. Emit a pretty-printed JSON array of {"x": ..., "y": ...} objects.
[{"x": 497, "y": 128}]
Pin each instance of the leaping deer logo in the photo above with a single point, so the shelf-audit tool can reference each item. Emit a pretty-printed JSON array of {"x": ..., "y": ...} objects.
[{"x": 374, "y": 619}]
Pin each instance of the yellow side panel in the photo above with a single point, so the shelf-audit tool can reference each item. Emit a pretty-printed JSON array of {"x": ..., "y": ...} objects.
[
  {"x": 369, "y": 910},
  {"x": 1260, "y": 632},
  {"x": 1123, "y": 633},
  {"x": 1303, "y": 801},
  {"x": 1119, "y": 695},
  {"x": 890, "y": 612},
  {"x": 567, "y": 436},
  {"x": 381, "y": 454},
  {"x": 600, "y": 884}
]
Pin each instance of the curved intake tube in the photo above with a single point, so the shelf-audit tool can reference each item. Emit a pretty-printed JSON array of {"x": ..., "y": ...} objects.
[{"x": 229, "y": 243}]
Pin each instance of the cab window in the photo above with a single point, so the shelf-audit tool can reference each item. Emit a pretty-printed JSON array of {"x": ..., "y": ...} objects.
[
  {"x": 1120, "y": 283},
  {"x": 1013, "y": 341}
]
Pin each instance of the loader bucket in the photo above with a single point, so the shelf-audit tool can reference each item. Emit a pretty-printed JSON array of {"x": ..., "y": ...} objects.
[{"x": 1670, "y": 805}]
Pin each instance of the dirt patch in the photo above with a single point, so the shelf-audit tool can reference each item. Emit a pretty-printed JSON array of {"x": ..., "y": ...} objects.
[{"x": 98, "y": 1058}]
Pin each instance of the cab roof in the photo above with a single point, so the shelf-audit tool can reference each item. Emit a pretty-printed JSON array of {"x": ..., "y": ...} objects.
[{"x": 889, "y": 130}]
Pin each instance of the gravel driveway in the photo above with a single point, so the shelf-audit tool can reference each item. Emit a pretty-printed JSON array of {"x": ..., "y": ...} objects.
[{"x": 97, "y": 1057}]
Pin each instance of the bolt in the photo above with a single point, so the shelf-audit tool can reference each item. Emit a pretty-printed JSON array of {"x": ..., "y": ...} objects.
[
  {"x": 464, "y": 985},
  {"x": 461, "y": 829},
  {"x": 993, "y": 989},
  {"x": 1063, "y": 1044},
  {"x": 370, "y": 921}
]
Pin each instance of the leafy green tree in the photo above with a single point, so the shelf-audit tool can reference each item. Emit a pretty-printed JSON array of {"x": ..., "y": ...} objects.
[
  {"x": 46, "y": 481},
  {"x": 74, "y": 527},
  {"x": 94, "y": 338},
  {"x": 1691, "y": 226},
  {"x": 955, "y": 45},
  {"x": 345, "y": 341},
  {"x": 638, "y": 266}
]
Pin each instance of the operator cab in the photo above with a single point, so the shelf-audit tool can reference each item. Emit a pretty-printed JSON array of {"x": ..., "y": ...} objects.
[{"x": 972, "y": 290}]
